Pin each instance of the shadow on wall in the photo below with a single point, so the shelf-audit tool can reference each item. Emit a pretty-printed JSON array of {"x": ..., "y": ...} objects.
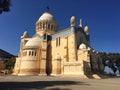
[
  {"x": 87, "y": 67},
  {"x": 49, "y": 61},
  {"x": 38, "y": 85}
]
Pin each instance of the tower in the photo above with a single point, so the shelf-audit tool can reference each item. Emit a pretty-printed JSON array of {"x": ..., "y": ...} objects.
[
  {"x": 46, "y": 25},
  {"x": 72, "y": 40}
]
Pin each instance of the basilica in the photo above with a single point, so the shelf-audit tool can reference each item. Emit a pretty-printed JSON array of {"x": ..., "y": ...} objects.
[{"x": 53, "y": 52}]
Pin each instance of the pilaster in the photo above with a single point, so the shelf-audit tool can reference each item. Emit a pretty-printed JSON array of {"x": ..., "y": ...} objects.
[{"x": 43, "y": 58}]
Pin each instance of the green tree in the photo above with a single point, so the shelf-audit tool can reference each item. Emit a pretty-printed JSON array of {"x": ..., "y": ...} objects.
[
  {"x": 114, "y": 60},
  {"x": 118, "y": 64},
  {"x": 9, "y": 64},
  {"x": 104, "y": 57}
]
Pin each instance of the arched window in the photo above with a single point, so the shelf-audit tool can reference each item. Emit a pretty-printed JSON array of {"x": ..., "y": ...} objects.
[
  {"x": 35, "y": 53},
  {"x": 58, "y": 41},
  {"x": 32, "y": 53},
  {"x": 48, "y": 26},
  {"x": 43, "y": 25},
  {"x": 51, "y": 27},
  {"x": 29, "y": 53}
]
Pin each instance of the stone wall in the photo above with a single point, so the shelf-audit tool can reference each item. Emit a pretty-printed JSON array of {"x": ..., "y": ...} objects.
[{"x": 73, "y": 68}]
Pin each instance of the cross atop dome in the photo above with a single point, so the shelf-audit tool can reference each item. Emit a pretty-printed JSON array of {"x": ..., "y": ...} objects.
[{"x": 47, "y": 8}]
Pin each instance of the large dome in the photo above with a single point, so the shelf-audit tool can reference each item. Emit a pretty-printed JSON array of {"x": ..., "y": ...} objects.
[
  {"x": 46, "y": 16},
  {"x": 46, "y": 24}
]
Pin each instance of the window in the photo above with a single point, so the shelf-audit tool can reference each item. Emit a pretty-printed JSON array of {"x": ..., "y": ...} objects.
[
  {"x": 35, "y": 53},
  {"x": 29, "y": 53},
  {"x": 48, "y": 26},
  {"x": 32, "y": 53},
  {"x": 51, "y": 27},
  {"x": 58, "y": 41}
]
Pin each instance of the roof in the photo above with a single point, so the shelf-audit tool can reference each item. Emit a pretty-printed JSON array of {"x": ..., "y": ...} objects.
[
  {"x": 34, "y": 41},
  {"x": 46, "y": 16}
]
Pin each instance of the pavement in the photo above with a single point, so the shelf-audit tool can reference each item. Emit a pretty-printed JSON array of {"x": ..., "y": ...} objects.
[{"x": 9, "y": 82}]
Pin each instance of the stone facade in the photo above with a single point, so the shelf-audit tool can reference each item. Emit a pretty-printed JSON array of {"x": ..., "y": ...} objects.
[{"x": 52, "y": 52}]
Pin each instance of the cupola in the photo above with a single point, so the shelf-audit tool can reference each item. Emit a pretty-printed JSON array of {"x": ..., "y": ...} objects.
[{"x": 46, "y": 24}]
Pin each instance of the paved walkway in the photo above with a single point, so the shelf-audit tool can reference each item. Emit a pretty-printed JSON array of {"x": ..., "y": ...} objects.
[{"x": 57, "y": 83}]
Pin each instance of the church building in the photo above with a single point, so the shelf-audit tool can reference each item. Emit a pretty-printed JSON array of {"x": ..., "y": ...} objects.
[{"x": 53, "y": 52}]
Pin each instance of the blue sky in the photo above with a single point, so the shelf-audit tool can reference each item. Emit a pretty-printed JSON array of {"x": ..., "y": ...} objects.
[{"x": 102, "y": 17}]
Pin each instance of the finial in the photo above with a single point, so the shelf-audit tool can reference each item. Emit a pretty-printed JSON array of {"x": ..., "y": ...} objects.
[
  {"x": 73, "y": 21},
  {"x": 80, "y": 23},
  {"x": 86, "y": 29},
  {"x": 25, "y": 35}
]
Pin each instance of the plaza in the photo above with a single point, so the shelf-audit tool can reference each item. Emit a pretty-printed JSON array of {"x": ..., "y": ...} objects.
[{"x": 57, "y": 83}]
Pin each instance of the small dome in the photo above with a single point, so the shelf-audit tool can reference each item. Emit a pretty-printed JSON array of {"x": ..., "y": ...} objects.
[
  {"x": 89, "y": 48},
  {"x": 34, "y": 41},
  {"x": 25, "y": 35},
  {"x": 82, "y": 46},
  {"x": 72, "y": 20},
  {"x": 47, "y": 16},
  {"x": 86, "y": 29},
  {"x": 93, "y": 50}
]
